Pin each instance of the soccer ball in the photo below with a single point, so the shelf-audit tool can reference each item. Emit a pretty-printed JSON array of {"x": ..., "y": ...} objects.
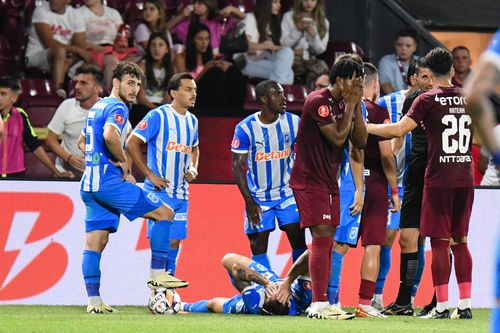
[{"x": 164, "y": 301}]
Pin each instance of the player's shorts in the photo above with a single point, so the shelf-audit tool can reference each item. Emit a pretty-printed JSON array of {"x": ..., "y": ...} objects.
[
  {"x": 373, "y": 222},
  {"x": 348, "y": 229},
  {"x": 446, "y": 212},
  {"x": 317, "y": 208},
  {"x": 283, "y": 211},
  {"x": 497, "y": 270},
  {"x": 394, "y": 218},
  {"x": 412, "y": 203},
  {"x": 103, "y": 208},
  {"x": 180, "y": 208}
]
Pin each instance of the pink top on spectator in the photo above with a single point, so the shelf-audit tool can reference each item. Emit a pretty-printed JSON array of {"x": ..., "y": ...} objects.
[{"x": 197, "y": 71}]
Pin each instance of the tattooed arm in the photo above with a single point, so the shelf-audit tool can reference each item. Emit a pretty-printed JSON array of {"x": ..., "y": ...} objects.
[{"x": 244, "y": 276}]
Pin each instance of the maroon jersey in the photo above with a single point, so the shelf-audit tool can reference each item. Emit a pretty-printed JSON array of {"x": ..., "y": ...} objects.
[
  {"x": 374, "y": 173},
  {"x": 448, "y": 128},
  {"x": 317, "y": 161}
]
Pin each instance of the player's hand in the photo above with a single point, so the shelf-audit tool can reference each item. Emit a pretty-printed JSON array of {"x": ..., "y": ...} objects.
[
  {"x": 77, "y": 162},
  {"x": 352, "y": 89},
  {"x": 357, "y": 205},
  {"x": 64, "y": 174},
  {"x": 131, "y": 179},
  {"x": 254, "y": 212},
  {"x": 271, "y": 290},
  {"x": 158, "y": 182},
  {"x": 191, "y": 174},
  {"x": 283, "y": 295},
  {"x": 124, "y": 167},
  {"x": 395, "y": 203}
]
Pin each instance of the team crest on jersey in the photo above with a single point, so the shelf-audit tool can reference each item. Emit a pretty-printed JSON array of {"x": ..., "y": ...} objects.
[
  {"x": 142, "y": 125},
  {"x": 287, "y": 138},
  {"x": 119, "y": 119},
  {"x": 236, "y": 143},
  {"x": 306, "y": 285},
  {"x": 324, "y": 111}
]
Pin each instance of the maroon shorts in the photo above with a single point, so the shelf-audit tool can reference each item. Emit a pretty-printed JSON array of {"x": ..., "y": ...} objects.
[
  {"x": 317, "y": 208},
  {"x": 446, "y": 212},
  {"x": 373, "y": 222}
]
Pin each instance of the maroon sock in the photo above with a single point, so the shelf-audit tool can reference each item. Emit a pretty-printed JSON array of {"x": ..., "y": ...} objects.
[
  {"x": 463, "y": 269},
  {"x": 320, "y": 266},
  {"x": 366, "y": 291},
  {"x": 440, "y": 267}
]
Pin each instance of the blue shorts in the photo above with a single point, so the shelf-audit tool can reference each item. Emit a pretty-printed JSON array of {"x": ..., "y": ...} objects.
[
  {"x": 348, "y": 229},
  {"x": 103, "y": 208},
  {"x": 180, "y": 208},
  {"x": 393, "y": 218},
  {"x": 284, "y": 211}
]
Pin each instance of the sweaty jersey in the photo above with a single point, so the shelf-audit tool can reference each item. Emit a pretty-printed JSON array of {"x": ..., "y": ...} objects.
[
  {"x": 99, "y": 171},
  {"x": 317, "y": 161},
  {"x": 449, "y": 135},
  {"x": 346, "y": 178},
  {"x": 394, "y": 104},
  {"x": 269, "y": 149},
  {"x": 170, "y": 137}
]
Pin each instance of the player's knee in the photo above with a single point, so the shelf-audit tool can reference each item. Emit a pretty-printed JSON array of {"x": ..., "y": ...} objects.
[
  {"x": 165, "y": 213},
  {"x": 341, "y": 248},
  {"x": 459, "y": 240},
  {"x": 227, "y": 259},
  {"x": 175, "y": 243},
  {"x": 258, "y": 243}
]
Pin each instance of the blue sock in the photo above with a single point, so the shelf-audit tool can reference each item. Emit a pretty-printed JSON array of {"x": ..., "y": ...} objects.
[
  {"x": 333, "y": 284},
  {"x": 385, "y": 265},
  {"x": 420, "y": 269},
  {"x": 495, "y": 319},
  {"x": 91, "y": 272},
  {"x": 200, "y": 306},
  {"x": 262, "y": 259},
  {"x": 172, "y": 260},
  {"x": 160, "y": 243},
  {"x": 296, "y": 253}
]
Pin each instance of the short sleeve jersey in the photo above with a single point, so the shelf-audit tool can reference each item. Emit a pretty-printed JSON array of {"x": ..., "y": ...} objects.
[
  {"x": 418, "y": 151},
  {"x": 99, "y": 171},
  {"x": 448, "y": 128},
  {"x": 317, "y": 161}
]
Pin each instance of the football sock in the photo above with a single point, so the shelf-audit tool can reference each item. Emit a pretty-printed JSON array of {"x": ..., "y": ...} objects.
[
  {"x": 91, "y": 272},
  {"x": 159, "y": 243},
  {"x": 495, "y": 319},
  {"x": 173, "y": 255},
  {"x": 441, "y": 271},
  {"x": 200, "y": 306},
  {"x": 366, "y": 291},
  {"x": 463, "y": 269},
  {"x": 262, "y": 259},
  {"x": 407, "y": 270},
  {"x": 385, "y": 265},
  {"x": 296, "y": 253},
  {"x": 333, "y": 284},
  {"x": 464, "y": 303},
  {"x": 420, "y": 269},
  {"x": 320, "y": 267}
]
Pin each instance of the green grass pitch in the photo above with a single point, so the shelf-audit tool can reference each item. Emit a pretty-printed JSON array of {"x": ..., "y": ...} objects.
[{"x": 70, "y": 319}]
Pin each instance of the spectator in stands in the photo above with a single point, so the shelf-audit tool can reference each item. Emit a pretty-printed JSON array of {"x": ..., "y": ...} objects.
[
  {"x": 18, "y": 131},
  {"x": 69, "y": 118},
  {"x": 461, "y": 64},
  {"x": 56, "y": 40},
  {"x": 157, "y": 66},
  {"x": 206, "y": 12},
  {"x": 323, "y": 81},
  {"x": 220, "y": 83},
  {"x": 393, "y": 67},
  {"x": 154, "y": 20},
  {"x": 265, "y": 57},
  {"x": 101, "y": 24},
  {"x": 306, "y": 30}
]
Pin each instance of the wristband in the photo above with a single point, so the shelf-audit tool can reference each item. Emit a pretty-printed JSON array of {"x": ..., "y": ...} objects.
[
  {"x": 496, "y": 158},
  {"x": 394, "y": 191},
  {"x": 192, "y": 169},
  {"x": 69, "y": 157}
]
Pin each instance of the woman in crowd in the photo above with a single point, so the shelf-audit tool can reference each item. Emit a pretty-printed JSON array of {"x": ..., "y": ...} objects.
[
  {"x": 154, "y": 20},
  {"x": 305, "y": 29}
]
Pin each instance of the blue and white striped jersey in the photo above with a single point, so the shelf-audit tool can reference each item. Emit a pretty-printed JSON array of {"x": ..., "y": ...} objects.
[
  {"x": 346, "y": 179},
  {"x": 270, "y": 154},
  {"x": 394, "y": 104},
  {"x": 99, "y": 171},
  {"x": 492, "y": 53},
  {"x": 170, "y": 137}
]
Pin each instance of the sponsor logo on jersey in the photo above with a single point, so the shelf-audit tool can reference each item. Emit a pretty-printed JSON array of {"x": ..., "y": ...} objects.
[
  {"x": 274, "y": 155},
  {"x": 179, "y": 147},
  {"x": 236, "y": 143},
  {"x": 450, "y": 100},
  {"x": 324, "y": 111},
  {"x": 327, "y": 216},
  {"x": 142, "y": 125},
  {"x": 119, "y": 119}
]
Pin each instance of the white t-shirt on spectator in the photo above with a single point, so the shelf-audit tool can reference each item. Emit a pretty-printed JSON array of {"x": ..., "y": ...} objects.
[
  {"x": 63, "y": 26},
  {"x": 100, "y": 29},
  {"x": 249, "y": 25},
  {"x": 68, "y": 122},
  {"x": 142, "y": 33},
  {"x": 492, "y": 174}
]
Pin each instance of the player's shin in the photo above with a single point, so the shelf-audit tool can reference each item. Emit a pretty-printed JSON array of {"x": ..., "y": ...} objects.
[
  {"x": 463, "y": 271},
  {"x": 173, "y": 255},
  {"x": 160, "y": 244},
  {"x": 407, "y": 272},
  {"x": 92, "y": 275},
  {"x": 441, "y": 271},
  {"x": 334, "y": 282},
  {"x": 385, "y": 265},
  {"x": 420, "y": 269}
]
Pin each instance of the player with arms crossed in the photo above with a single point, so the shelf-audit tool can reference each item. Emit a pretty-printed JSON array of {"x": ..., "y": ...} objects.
[
  {"x": 264, "y": 141},
  {"x": 484, "y": 82},
  {"x": 104, "y": 186},
  {"x": 329, "y": 117},
  {"x": 449, "y": 183},
  {"x": 171, "y": 135}
]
